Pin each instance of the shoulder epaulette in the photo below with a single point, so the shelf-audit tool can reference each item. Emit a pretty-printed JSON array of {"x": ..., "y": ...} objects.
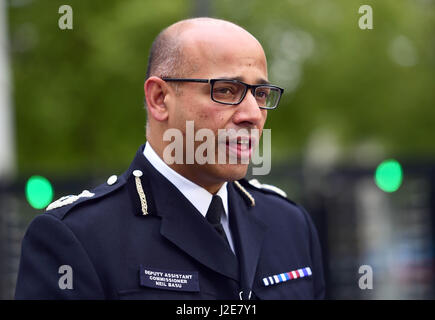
[
  {"x": 266, "y": 188},
  {"x": 64, "y": 204}
]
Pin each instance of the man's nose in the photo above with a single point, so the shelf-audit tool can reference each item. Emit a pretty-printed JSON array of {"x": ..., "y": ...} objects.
[{"x": 248, "y": 113}]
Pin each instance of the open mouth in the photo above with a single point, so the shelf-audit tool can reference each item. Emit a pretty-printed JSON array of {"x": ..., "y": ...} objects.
[
  {"x": 241, "y": 147},
  {"x": 242, "y": 143}
]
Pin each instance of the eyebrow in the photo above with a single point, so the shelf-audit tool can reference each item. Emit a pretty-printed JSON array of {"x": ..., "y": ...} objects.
[{"x": 258, "y": 81}]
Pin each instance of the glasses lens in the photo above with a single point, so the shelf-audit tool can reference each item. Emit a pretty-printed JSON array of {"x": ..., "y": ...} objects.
[
  {"x": 228, "y": 91},
  {"x": 267, "y": 97}
]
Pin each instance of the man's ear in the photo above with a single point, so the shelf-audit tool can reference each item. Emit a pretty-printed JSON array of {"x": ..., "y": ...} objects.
[{"x": 155, "y": 92}]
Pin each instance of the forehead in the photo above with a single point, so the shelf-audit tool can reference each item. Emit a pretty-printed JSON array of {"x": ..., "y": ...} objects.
[{"x": 216, "y": 51}]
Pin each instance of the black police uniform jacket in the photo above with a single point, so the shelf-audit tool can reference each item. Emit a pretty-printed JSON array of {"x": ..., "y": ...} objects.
[{"x": 102, "y": 246}]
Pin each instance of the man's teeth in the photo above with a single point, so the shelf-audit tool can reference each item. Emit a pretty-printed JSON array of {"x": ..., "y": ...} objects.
[{"x": 243, "y": 141}]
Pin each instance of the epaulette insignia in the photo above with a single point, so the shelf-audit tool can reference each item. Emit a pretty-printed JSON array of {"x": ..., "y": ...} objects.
[
  {"x": 259, "y": 185},
  {"x": 68, "y": 200}
]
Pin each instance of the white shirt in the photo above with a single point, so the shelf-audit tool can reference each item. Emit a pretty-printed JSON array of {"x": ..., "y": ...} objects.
[{"x": 198, "y": 196}]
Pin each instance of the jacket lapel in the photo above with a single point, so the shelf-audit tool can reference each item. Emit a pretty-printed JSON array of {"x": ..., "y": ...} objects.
[
  {"x": 195, "y": 236},
  {"x": 181, "y": 223},
  {"x": 249, "y": 234}
]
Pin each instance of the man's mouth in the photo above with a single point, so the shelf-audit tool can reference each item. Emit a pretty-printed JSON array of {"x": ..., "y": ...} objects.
[
  {"x": 241, "y": 142},
  {"x": 241, "y": 147}
]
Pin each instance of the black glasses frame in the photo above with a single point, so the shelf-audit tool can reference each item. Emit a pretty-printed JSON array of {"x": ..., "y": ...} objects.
[{"x": 247, "y": 87}]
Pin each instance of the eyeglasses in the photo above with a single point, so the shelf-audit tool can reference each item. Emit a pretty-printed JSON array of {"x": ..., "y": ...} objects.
[{"x": 232, "y": 92}]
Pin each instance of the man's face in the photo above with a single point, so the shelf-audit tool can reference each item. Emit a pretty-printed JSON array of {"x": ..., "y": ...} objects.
[{"x": 219, "y": 53}]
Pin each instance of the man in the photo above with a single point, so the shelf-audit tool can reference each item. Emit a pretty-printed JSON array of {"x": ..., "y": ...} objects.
[{"x": 183, "y": 230}]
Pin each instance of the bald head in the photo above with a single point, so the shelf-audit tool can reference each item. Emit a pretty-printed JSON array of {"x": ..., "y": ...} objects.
[
  {"x": 203, "y": 48},
  {"x": 171, "y": 52}
]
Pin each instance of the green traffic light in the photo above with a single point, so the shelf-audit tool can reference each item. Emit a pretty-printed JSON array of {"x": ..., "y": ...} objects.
[
  {"x": 389, "y": 175},
  {"x": 39, "y": 192}
]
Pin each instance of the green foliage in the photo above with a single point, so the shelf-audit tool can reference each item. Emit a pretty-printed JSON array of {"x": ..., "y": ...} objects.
[
  {"x": 350, "y": 84},
  {"x": 78, "y": 94}
]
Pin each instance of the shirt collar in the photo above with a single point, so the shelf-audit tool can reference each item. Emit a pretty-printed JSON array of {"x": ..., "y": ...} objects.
[{"x": 198, "y": 196}]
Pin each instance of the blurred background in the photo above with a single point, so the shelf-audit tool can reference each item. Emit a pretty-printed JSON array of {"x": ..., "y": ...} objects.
[{"x": 353, "y": 140}]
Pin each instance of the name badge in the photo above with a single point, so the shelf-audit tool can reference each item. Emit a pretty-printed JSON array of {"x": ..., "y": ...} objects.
[{"x": 169, "y": 280}]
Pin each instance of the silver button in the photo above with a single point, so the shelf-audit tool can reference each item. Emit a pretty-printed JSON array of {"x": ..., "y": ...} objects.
[
  {"x": 137, "y": 173},
  {"x": 112, "y": 180}
]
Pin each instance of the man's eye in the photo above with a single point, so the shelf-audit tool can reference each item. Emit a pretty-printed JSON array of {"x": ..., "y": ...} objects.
[
  {"x": 224, "y": 90},
  {"x": 262, "y": 94}
]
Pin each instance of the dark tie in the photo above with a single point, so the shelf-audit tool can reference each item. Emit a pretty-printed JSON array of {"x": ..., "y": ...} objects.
[{"x": 214, "y": 213}]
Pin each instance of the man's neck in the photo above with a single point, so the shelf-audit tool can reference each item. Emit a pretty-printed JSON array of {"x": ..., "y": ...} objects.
[{"x": 189, "y": 172}]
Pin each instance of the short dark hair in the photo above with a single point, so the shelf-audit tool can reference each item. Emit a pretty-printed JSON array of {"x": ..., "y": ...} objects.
[{"x": 166, "y": 57}]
